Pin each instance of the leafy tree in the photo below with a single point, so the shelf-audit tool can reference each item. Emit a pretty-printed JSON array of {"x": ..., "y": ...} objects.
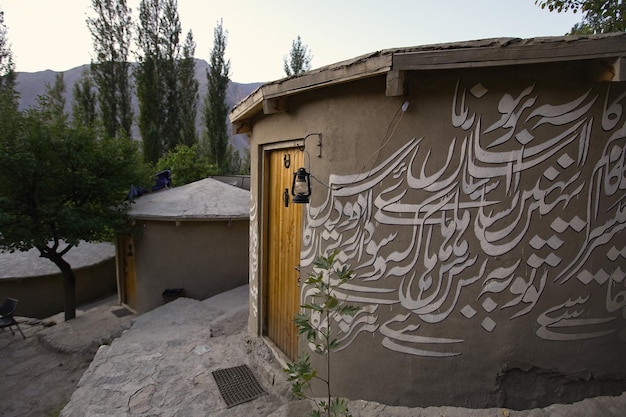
[
  {"x": 7, "y": 66},
  {"x": 148, "y": 81},
  {"x": 215, "y": 108},
  {"x": 236, "y": 164},
  {"x": 149, "y": 104},
  {"x": 189, "y": 96},
  {"x": 299, "y": 59},
  {"x": 62, "y": 184},
  {"x": 168, "y": 65},
  {"x": 111, "y": 36},
  {"x": 55, "y": 97},
  {"x": 187, "y": 165},
  {"x": 157, "y": 76},
  {"x": 599, "y": 16},
  {"x": 8, "y": 94},
  {"x": 85, "y": 99},
  {"x": 233, "y": 160},
  {"x": 245, "y": 162}
]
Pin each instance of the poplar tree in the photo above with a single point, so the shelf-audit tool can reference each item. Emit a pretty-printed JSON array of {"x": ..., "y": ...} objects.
[
  {"x": 84, "y": 101},
  {"x": 7, "y": 66},
  {"x": 299, "y": 59},
  {"x": 111, "y": 36},
  {"x": 156, "y": 76},
  {"x": 169, "y": 68},
  {"x": 8, "y": 94},
  {"x": 55, "y": 98},
  {"x": 215, "y": 108},
  {"x": 189, "y": 95}
]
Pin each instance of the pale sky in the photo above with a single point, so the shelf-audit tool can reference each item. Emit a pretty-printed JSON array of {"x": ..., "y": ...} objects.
[{"x": 53, "y": 34}]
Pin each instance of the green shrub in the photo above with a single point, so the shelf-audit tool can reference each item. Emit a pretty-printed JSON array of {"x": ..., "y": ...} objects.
[{"x": 325, "y": 280}]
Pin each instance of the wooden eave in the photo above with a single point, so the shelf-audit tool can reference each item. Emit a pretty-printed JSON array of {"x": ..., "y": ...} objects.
[
  {"x": 514, "y": 52},
  {"x": 394, "y": 63},
  {"x": 271, "y": 97}
]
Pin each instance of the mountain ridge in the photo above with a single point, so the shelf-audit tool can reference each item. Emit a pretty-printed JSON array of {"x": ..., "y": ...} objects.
[{"x": 31, "y": 85}]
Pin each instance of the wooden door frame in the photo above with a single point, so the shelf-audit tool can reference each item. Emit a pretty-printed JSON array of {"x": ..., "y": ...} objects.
[
  {"x": 121, "y": 266},
  {"x": 263, "y": 274}
]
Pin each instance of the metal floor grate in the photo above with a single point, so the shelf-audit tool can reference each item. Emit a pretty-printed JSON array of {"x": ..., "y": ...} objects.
[
  {"x": 121, "y": 312},
  {"x": 237, "y": 385}
]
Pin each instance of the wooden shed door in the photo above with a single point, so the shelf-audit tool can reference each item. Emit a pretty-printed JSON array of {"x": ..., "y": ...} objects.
[
  {"x": 283, "y": 251},
  {"x": 130, "y": 292}
]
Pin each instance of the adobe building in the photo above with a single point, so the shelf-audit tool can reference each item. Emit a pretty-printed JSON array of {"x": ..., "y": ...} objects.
[
  {"x": 478, "y": 191},
  {"x": 189, "y": 241},
  {"x": 37, "y": 283}
]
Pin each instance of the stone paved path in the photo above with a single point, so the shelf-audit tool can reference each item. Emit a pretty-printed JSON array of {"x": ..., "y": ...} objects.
[{"x": 162, "y": 367}]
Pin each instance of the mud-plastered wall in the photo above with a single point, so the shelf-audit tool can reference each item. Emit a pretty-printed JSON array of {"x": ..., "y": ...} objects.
[{"x": 485, "y": 221}]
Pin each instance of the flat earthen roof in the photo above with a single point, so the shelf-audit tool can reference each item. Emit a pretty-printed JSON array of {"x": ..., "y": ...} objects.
[
  {"x": 207, "y": 199},
  {"x": 30, "y": 264}
]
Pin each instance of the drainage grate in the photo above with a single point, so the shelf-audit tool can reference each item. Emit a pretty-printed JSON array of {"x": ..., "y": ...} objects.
[
  {"x": 237, "y": 385},
  {"x": 121, "y": 312}
]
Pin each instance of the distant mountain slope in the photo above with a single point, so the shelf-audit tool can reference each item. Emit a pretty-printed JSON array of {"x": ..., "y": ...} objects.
[{"x": 31, "y": 85}]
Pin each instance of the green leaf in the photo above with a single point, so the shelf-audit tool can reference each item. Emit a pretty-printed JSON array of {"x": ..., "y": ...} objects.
[
  {"x": 331, "y": 303},
  {"x": 333, "y": 344},
  {"x": 339, "y": 407},
  {"x": 314, "y": 279},
  {"x": 349, "y": 310},
  {"x": 320, "y": 349},
  {"x": 301, "y": 319},
  {"x": 315, "y": 307}
]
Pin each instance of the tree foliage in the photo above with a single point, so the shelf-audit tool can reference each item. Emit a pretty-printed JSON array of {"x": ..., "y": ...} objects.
[
  {"x": 149, "y": 81},
  {"x": 166, "y": 86},
  {"x": 299, "y": 59},
  {"x": 215, "y": 109},
  {"x": 8, "y": 94},
  {"x": 599, "y": 16},
  {"x": 189, "y": 95},
  {"x": 55, "y": 97},
  {"x": 315, "y": 323},
  {"x": 84, "y": 101},
  {"x": 111, "y": 32},
  {"x": 236, "y": 163},
  {"x": 62, "y": 184},
  {"x": 187, "y": 165},
  {"x": 7, "y": 66},
  {"x": 168, "y": 67}
]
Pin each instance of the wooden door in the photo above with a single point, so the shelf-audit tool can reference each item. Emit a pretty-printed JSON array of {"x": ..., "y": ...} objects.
[
  {"x": 130, "y": 290},
  {"x": 284, "y": 223}
]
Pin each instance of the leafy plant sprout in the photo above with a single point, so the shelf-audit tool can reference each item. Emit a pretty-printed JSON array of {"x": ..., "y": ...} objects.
[{"x": 314, "y": 321}]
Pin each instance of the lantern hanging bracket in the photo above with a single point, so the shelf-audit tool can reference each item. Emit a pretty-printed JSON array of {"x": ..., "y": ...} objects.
[{"x": 318, "y": 144}]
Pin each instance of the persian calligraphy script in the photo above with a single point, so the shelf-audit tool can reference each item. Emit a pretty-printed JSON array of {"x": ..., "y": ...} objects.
[{"x": 520, "y": 216}]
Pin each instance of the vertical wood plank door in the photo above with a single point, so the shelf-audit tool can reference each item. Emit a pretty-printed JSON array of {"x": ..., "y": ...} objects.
[
  {"x": 283, "y": 251},
  {"x": 130, "y": 278}
]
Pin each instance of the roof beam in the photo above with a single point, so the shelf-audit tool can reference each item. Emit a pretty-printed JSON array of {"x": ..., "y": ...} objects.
[
  {"x": 396, "y": 83},
  {"x": 241, "y": 126},
  {"x": 532, "y": 52},
  {"x": 275, "y": 105}
]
